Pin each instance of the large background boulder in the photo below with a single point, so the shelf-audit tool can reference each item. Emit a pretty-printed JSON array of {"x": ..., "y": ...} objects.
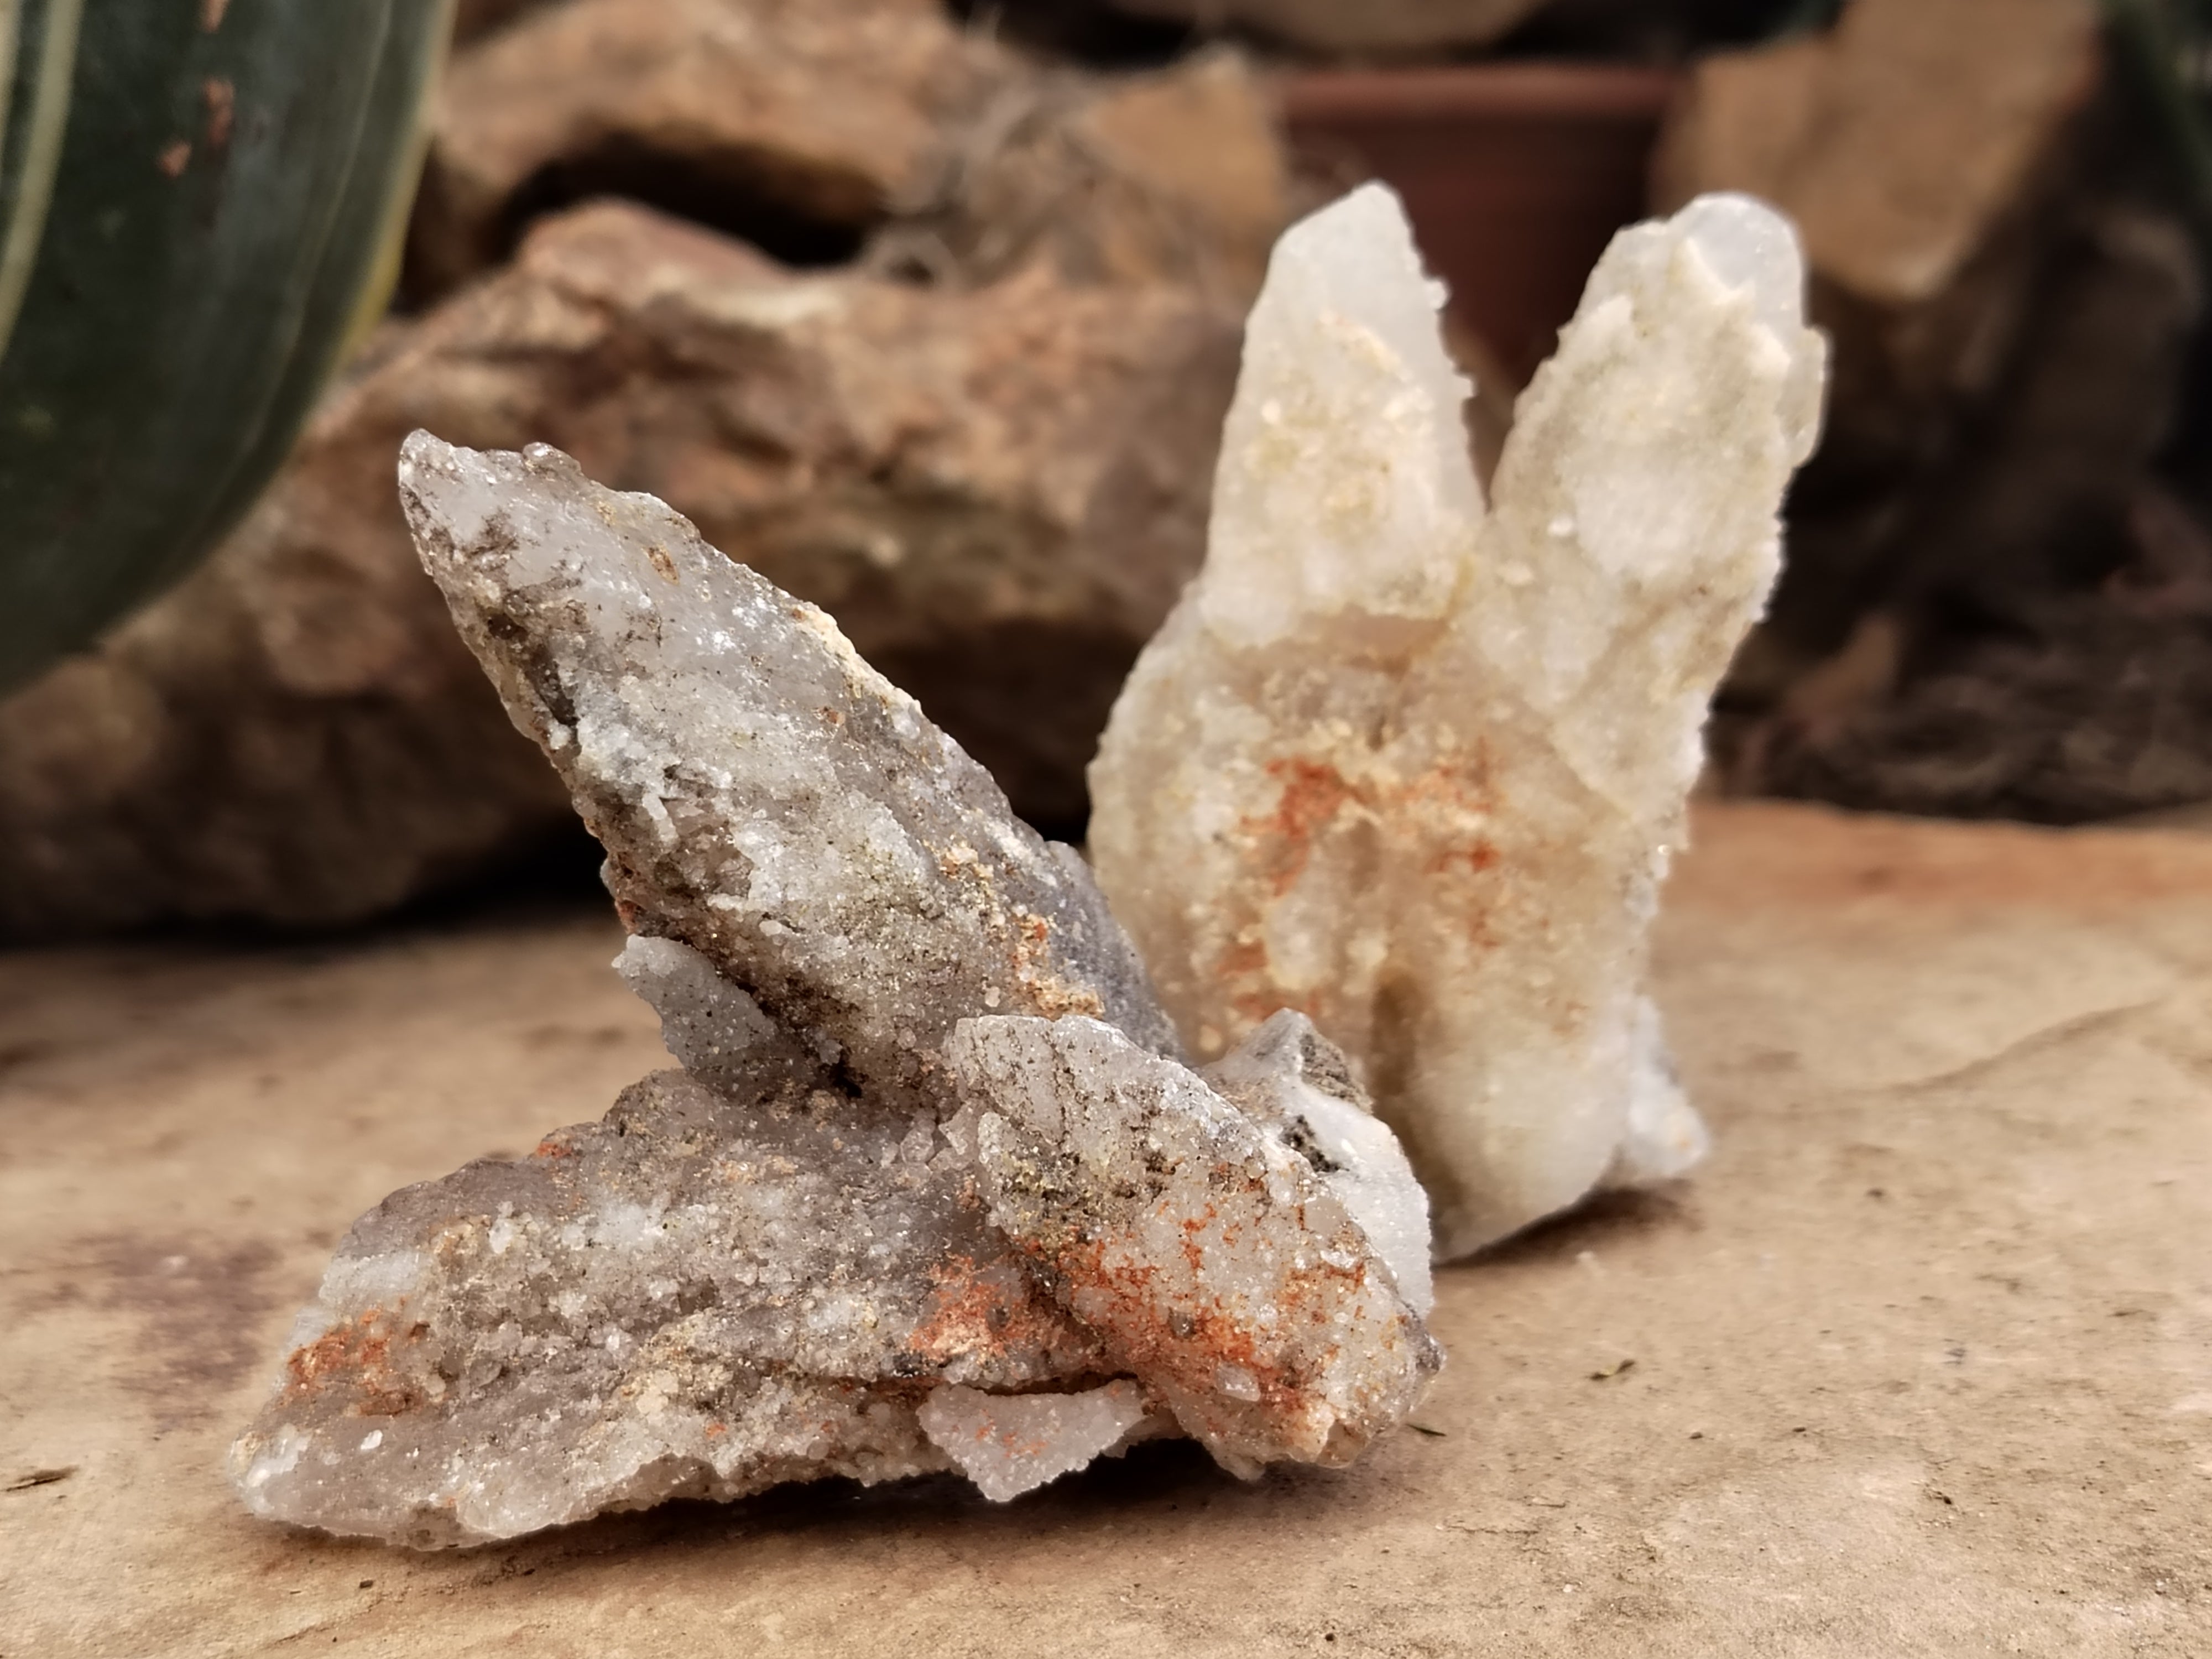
[
  {"x": 800, "y": 124},
  {"x": 932, "y": 331},
  {"x": 1991, "y": 603},
  {"x": 998, "y": 493}
]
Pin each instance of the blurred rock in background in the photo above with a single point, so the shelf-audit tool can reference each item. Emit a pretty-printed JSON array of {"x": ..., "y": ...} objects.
[
  {"x": 1395, "y": 27},
  {"x": 996, "y": 492},
  {"x": 999, "y": 494},
  {"x": 1178, "y": 177},
  {"x": 797, "y": 124},
  {"x": 294, "y": 735},
  {"x": 930, "y": 312},
  {"x": 985, "y": 441},
  {"x": 1991, "y": 605},
  {"x": 472, "y": 18}
]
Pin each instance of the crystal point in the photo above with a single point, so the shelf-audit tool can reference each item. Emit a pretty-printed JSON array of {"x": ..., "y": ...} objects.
[
  {"x": 1011, "y": 1443},
  {"x": 764, "y": 796}
]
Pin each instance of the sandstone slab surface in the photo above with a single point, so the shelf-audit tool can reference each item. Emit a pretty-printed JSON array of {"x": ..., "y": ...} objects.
[{"x": 1922, "y": 1360}]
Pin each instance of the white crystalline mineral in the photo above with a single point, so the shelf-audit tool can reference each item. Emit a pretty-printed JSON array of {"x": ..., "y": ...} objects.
[
  {"x": 1286, "y": 1075},
  {"x": 822, "y": 1248},
  {"x": 1415, "y": 768},
  {"x": 1009, "y": 1443},
  {"x": 708, "y": 1292}
]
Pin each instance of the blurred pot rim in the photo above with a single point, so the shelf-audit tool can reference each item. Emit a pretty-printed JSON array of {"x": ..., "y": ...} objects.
[{"x": 1589, "y": 92}]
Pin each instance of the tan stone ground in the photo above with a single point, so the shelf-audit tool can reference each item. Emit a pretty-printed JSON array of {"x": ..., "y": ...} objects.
[{"x": 1922, "y": 1361}]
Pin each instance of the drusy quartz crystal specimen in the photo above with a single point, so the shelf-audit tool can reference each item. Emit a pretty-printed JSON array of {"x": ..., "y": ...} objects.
[
  {"x": 1415, "y": 767},
  {"x": 933, "y": 1189}
]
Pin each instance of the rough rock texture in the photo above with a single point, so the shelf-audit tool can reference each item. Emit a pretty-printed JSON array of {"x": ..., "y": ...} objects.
[
  {"x": 706, "y": 1294},
  {"x": 720, "y": 1288},
  {"x": 714, "y": 1027},
  {"x": 1383, "y": 26},
  {"x": 1920, "y": 1359},
  {"x": 1838, "y": 131},
  {"x": 764, "y": 796},
  {"x": 1289, "y": 1077},
  {"x": 1207, "y": 1255},
  {"x": 997, "y": 494},
  {"x": 1417, "y": 770},
  {"x": 292, "y": 735},
  {"x": 801, "y": 121},
  {"x": 1179, "y": 177},
  {"x": 896, "y": 1161}
]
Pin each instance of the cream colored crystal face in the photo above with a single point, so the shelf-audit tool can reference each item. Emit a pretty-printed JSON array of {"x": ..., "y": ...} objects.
[{"x": 1415, "y": 768}]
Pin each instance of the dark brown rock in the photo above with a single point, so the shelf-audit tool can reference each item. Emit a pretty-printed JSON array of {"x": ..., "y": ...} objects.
[
  {"x": 2011, "y": 305},
  {"x": 1900, "y": 142},
  {"x": 1923, "y": 269},
  {"x": 1178, "y": 176},
  {"x": 1380, "y": 27},
  {"x": 798, "y": 122},
  {"x": 997, "y": 494},
  {"x": 475, "y": 18}
]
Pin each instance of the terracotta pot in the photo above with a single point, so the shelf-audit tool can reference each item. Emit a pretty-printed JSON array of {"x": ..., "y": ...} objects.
[{"x": 1515, "y": 175}]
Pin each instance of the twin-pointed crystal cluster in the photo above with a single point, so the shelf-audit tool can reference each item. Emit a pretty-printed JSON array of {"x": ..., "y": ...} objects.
[
  {"x": 1416, "y": 768},
  {"x": 934, "y": 1189}
]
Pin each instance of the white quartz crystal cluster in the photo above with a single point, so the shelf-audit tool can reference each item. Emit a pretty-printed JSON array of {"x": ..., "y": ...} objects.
[
  {"x": 1415, "y": 766},
  {"x": 932, "y": 1190}
]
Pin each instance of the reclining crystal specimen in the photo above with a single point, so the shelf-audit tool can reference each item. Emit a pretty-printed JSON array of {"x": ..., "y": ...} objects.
[
  {"x": 763, "y": 795},
  {"x": 932, "y": 1190},
  {"x": 1416, "y": 768}
]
